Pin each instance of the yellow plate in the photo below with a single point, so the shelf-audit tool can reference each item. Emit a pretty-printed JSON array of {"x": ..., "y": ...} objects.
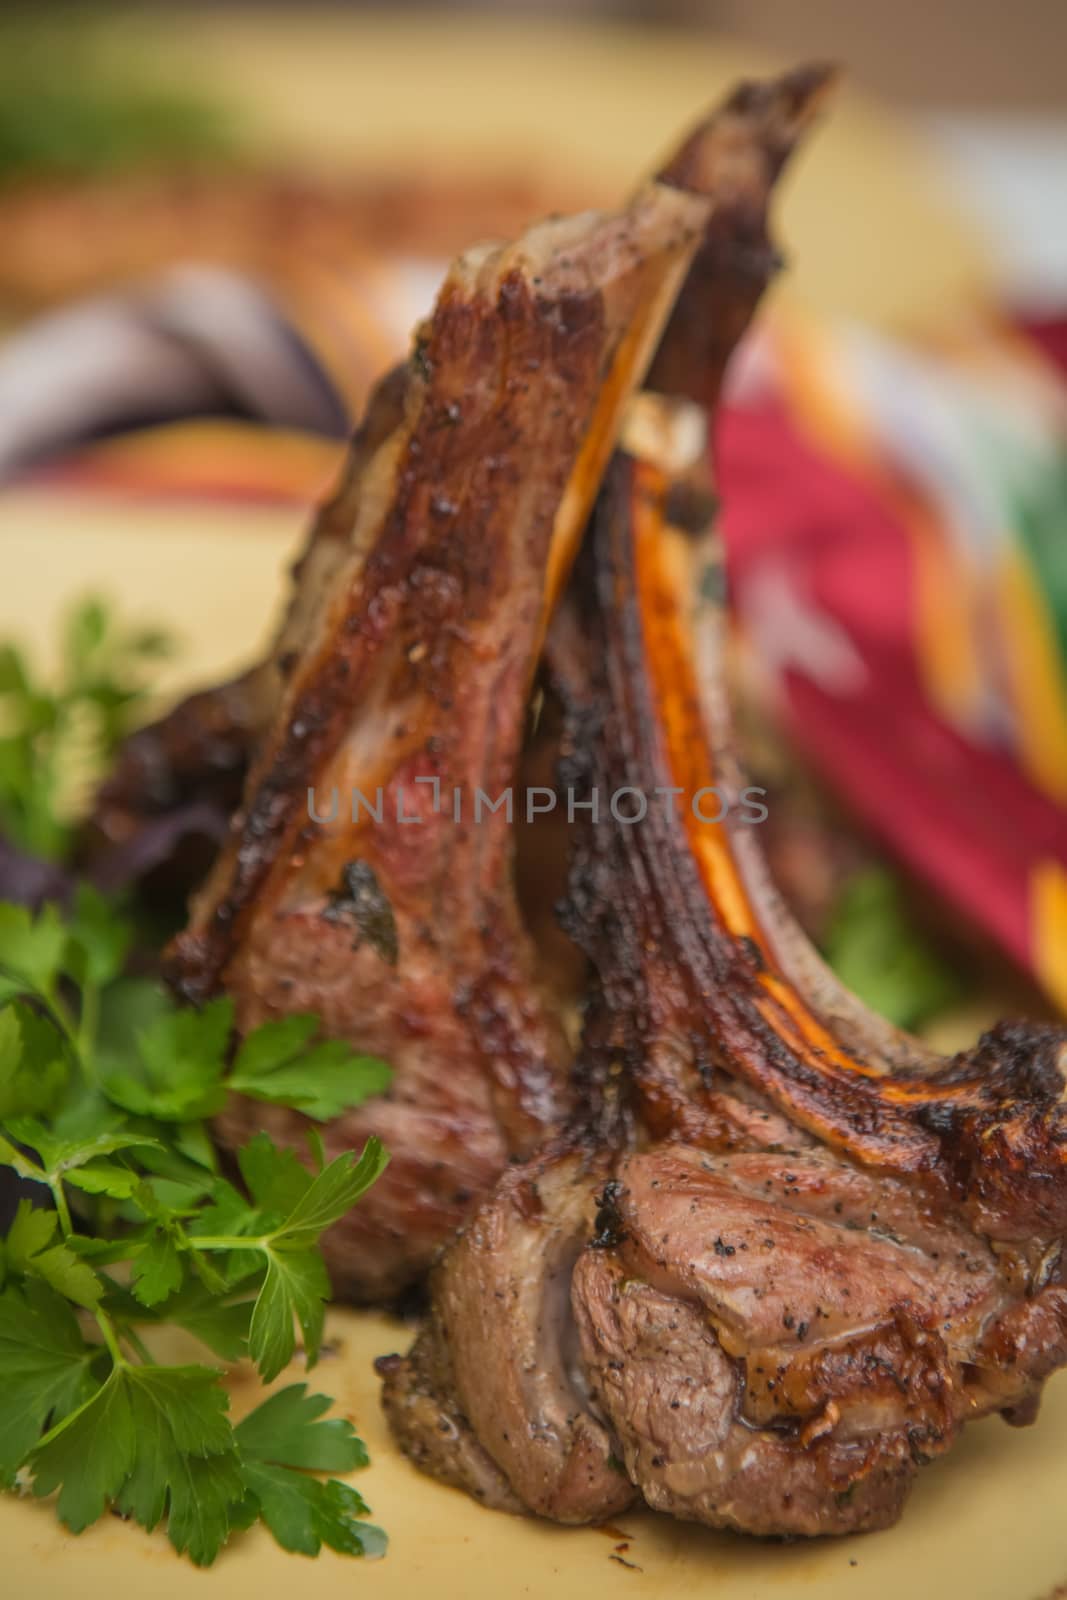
[
  {"x": 984, "y": 1523},
  {"x": 872, "y": 236}
]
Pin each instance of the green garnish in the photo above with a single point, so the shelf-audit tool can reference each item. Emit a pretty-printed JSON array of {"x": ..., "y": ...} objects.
[
  {"x": 876, "y": 949},
  {"x": 104, "y": 1088},
  {"x": 46, "y": 728}
]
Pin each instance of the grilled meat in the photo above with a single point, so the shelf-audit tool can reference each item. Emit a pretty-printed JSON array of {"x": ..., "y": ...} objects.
[
  {"x": 778, "y": 1339},
  {"x": 819, "y": 1251},
  {"x": 778, "y": 1020},
  {"x": 366, "y": 876}
]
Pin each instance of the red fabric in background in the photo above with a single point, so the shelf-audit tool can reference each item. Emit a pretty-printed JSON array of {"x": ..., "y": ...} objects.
[
  {"x": 960, "y": 816},
  {"x": 1050, "y": 336}
]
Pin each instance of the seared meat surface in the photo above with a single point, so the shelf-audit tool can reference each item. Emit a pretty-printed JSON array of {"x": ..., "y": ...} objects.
[
  {"x": 778, "y": 1340},
  {"x": 819, "y": 1251}
]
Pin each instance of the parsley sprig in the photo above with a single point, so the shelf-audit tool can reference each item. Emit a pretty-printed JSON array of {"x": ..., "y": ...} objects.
[
  {"x": 130, "y": 1225},
  {"x": 83, "y": 710}
]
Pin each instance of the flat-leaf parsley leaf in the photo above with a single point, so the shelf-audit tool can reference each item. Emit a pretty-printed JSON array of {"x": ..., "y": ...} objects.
[{"x": 127, "y": 1225}]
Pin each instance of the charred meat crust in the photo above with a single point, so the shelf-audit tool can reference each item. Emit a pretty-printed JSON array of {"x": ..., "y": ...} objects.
[
  {"x": 421, "y": 581},
  {"x": 425, "y": 1416},
  {"x": 988, "y": 1129}
]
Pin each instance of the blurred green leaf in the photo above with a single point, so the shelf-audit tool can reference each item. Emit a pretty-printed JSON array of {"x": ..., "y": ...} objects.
[
  {"x": 877, "y": 950},
  {"x": 71, "y": 105},
  {"x": 66, "y": 730}
]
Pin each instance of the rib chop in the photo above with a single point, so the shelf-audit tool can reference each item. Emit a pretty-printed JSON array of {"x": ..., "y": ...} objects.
[
  {"x": 805, "y": 1252},
  {"x": 366, "y": 877}
]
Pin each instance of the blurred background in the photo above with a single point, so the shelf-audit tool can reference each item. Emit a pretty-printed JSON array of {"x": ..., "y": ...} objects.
[{"x": 219, "y": 223}]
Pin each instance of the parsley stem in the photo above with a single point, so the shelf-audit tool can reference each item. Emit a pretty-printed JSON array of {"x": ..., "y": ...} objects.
[
  {"x": 103, "y": 1321},
  {"x": 62, "y": 1208},
  {"x": 227, "y": 1241},
  {"x": 107, "y": 1328},
  {"x": 134, "y": 1340}
]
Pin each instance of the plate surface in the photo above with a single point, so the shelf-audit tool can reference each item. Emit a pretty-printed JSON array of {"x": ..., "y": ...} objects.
[
  {"x": 874, "y": 238},
  {"x": 984, "y": 1523}
]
